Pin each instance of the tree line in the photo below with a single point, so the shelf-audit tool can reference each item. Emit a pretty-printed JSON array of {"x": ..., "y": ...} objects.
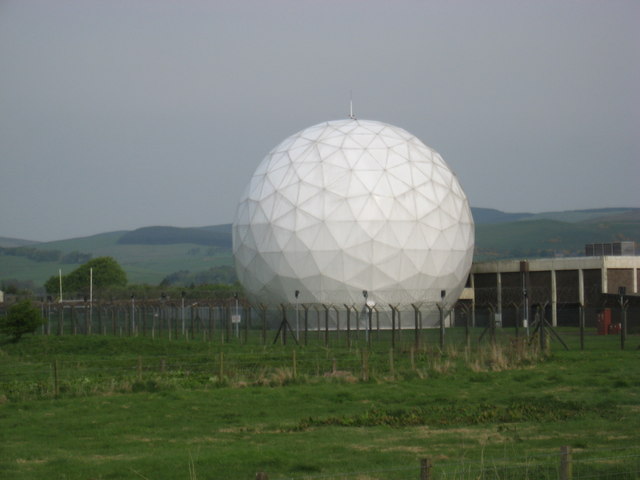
[{"x": 38, "y": 255}]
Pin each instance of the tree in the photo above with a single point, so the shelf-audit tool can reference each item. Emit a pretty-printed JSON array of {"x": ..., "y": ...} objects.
[
  {"x": 21, "y": 318},
  {"x": 106, "y": 273}
]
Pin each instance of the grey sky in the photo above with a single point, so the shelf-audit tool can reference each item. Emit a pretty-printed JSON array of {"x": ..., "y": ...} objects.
[{"x": 121, "y": 114}]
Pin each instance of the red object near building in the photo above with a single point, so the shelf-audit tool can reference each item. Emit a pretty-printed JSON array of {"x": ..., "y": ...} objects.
[
  {"x": 615, "y": 329},
  {"x": 604, "y": 321}
]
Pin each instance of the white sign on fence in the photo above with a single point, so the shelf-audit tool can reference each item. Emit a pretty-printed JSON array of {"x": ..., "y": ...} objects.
[{"x": 235, "y": 318}]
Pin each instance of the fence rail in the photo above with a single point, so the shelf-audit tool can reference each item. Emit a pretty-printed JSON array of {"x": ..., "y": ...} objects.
[{"x": 566, "y": 464}]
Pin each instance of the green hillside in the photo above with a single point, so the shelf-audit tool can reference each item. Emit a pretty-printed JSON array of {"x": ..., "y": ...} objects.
[
  {"x": 545, "y": 237},
  {"x": 143, "y": 263}
]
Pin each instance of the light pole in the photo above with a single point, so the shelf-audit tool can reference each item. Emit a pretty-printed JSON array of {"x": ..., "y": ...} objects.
[
  {"x": 297, "y": 292},
  {"x": 369, "y": 306},
  {"x": 622, "y": 291},
  {"x": 525, "y": 320},
  {"x": 443, "y": 293},
  {"x": 182, "y": 295},
  {"x": 133, "y": 313},
  {"x": 236, "y": 317}
]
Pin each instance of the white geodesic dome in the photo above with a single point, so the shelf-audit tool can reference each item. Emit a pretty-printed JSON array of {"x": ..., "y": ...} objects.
[{"x": 349, "y": 206}]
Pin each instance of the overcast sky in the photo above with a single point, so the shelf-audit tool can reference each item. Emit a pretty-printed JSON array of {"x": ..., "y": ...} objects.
[{"x": 119, "y": 114}]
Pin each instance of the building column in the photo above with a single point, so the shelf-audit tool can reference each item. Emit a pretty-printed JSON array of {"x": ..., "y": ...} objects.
[
  {"x": 473, "y": 301},
  {"x": 554, "y": 299},
  {"x": 604, "y": 279}
]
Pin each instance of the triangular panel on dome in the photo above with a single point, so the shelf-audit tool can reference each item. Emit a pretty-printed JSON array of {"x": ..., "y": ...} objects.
[
  {"x": 424, "y": 206},
  {"x": 269, "y": 243},
  {"x": 371, "y": 211},
  {"x": 401, "y": 150},
  {"x": 403, "y": 211},
  {"x": 310, "y": 174},
  {"x": 377, "y": 144},
  {"x": 324, "y": 239},
  {"x": 398, "y": 186},
  {"x": 337, "y": 208},
  {"x": 362, "y": 252},
  {"x": 413, "y": 261},
  {"x": 332, "y": 173},
  {"x": 380, "y": 280},
  {"x": 372, "y": 126},
  {"x": 347, "y": 126},
  {"x": 241, "y": 234},
  {"x": 352, "y": 269},
  {"x": 386, "y": 205},
  {"x": 278, "y": 160},
  {"x": 390, "y": 137},
  {"x": 314, "y": 206},
  {"x": 287, "y": 220},
  {"x": 314, "y": 133},
  {"x": 441, "y": 262},
  {"x": 309, "y": 234},
  {"x": 305, "y": 264},
  {"x": 299, "y": 144},
  {"x": 362, "y": 137},
  {"x": 401, "y": 171},
  {"x": 307, "y": 155},
  {"x": 438, "y": 161},
  {"x": 327, "y": 260},
  {"x": 290, "y": 193},
  {"x": 325, "y": 150},
  {"x": 442, "y": 175},
  {"x": 334, "y": 140},
  {"x": 421, "y": 173},
  {"x": 383, "y": 188},
  {"x": 357, "y": 190},
  {"x": 413, "y": 237},
  {"x": 347, "y": 233},
  {"x": 257, "y": 215},
  {"x": 304, "y": 219},
  {"x": 430, "y": 233},
  {"x": 277, "y": 175},
  {"x": 383, "y": 251},
  {"x": 392, "y": 265},
  {"x": 367, "y": 160},
  {"x": 441, "y": 191}
]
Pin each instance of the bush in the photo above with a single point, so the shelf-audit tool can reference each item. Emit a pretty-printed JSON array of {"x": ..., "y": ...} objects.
[{"x": 21, "y": 318}]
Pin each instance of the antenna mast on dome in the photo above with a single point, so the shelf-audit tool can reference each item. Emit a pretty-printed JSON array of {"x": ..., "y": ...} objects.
[{"x": 351, "y": 115}]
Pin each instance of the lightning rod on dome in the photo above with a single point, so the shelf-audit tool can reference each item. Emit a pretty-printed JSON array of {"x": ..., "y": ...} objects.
[{"x": 351, "y": 115}]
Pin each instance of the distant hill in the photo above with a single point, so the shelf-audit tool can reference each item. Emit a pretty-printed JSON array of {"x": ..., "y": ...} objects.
[
  {"x": 203, "y": 254},
  {"x": 208, "y": 236},
  {"x": 489, "y": 215},
  {"x": 15, "y": 242}
]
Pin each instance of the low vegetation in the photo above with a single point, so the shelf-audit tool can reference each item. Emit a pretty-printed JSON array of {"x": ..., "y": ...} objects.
[{"x": 136, "y": 407}]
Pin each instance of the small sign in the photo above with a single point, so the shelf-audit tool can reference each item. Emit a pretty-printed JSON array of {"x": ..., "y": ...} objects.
[{"x": 235, "y": 318}]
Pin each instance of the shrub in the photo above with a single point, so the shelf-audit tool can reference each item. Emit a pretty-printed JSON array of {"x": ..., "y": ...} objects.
[{"x": 21, "y": 318}]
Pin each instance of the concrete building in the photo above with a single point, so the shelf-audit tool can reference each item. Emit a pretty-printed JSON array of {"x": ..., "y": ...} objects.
[{"x": 507, "y": 289}]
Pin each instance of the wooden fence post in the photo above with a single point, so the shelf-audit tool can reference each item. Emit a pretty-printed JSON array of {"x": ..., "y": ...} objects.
[
  {"x": 425, "y": 469},
  {"x": 56, "y": 380},
  {"x": 566, "y": 467},
  {"x": 391, "y": 363},
  {"x": 295, "y": 365}
]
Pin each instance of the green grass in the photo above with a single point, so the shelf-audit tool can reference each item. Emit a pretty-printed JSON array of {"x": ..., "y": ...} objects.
[{"x": 162, "y": 409}]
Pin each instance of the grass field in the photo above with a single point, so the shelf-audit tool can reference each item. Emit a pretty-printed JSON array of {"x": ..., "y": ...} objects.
[{"x": 118, "y": 407}]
